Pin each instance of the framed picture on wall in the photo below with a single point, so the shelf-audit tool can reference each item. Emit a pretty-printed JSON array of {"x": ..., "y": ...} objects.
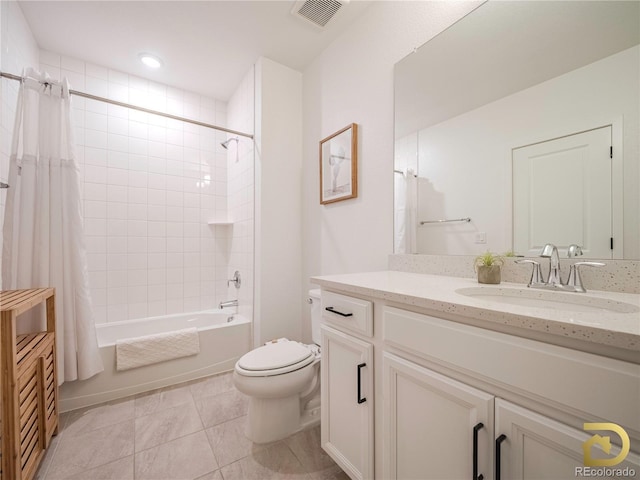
[{"x": 339, "y": 165}]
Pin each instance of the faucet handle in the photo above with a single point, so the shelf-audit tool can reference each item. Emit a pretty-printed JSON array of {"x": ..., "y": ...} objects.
[
  {"x": 574, "y": 250},
  {"x": 589, "y": 264},
  {"x": 235, "y": 280},
  {"x": 536, "y": 274},
  {"x": 575, "y": 280}
]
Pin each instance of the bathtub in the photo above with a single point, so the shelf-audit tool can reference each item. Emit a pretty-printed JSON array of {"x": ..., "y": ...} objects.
[{"x": 224, "y": 338}]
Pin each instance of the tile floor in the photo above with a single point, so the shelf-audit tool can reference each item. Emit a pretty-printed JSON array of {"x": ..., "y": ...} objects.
[{"x": 191, "y": 431}]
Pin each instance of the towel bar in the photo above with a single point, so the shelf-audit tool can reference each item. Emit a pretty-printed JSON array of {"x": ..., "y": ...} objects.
[{"x": 466, "y": 219}]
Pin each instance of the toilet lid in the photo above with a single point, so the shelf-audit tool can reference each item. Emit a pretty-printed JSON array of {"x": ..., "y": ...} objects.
[{"x": 274, "y": 356}]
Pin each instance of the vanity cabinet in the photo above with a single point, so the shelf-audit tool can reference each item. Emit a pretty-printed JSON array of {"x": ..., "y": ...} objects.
[
  {"x": 438, "y": 428},
  {"x": 456, "y": 400},
  {"x": 347, "y": 396},
  {"x": 435, "y": 426},
  {"x": 521, "y": 444}
]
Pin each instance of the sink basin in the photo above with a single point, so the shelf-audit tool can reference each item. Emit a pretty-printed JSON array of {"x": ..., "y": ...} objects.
[{"x": 571, "y": 302}]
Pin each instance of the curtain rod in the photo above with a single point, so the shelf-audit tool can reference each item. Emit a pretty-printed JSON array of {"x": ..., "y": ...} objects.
[{"x": 140, "y": 109}]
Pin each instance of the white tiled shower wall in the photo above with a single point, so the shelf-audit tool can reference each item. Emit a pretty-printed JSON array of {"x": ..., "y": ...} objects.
[
  {"x": 150, "y": 186},
  {"x": 17, "y": 49}
]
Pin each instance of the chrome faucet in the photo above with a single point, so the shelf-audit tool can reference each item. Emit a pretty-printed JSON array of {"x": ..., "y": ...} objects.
[
  {"x": 554, "y": 281},
  {"x": 228, "y": 303},
  {"x": 550, "y": 251}
]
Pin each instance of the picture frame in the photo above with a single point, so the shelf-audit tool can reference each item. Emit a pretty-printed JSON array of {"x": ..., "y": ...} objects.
[{"x": 339, "y": 165}]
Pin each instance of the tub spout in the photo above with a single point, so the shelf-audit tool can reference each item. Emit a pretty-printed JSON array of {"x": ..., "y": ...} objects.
[{"x": 228, "y": 303}]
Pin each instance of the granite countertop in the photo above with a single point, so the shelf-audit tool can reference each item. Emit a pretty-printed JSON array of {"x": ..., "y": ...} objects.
[{"x": 438, "y": 293}]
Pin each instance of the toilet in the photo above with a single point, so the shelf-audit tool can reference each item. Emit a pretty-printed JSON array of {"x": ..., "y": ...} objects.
[{"x": 282, "y": 381}]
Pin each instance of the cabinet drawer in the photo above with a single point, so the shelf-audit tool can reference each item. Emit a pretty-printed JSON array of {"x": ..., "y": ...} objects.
[
  {"x": 348, "y": 313},
  {"x": 579, "y": 381}
]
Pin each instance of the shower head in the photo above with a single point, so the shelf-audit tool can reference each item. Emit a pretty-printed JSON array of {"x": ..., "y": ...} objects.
[{"x": 226, "y": 143}]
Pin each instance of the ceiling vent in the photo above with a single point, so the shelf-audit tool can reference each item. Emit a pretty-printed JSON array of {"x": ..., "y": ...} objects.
[{"x": 317, "y": 12}]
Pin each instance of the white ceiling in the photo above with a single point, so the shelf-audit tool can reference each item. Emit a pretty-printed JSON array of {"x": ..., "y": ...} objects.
[{"x": 207, "y": 46}]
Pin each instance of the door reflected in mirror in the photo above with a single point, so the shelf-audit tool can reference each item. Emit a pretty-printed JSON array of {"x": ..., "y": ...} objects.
[{"x": 523, "y": 117}]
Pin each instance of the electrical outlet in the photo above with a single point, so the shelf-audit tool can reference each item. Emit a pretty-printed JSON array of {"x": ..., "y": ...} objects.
[{"x": 481, "y": 237}]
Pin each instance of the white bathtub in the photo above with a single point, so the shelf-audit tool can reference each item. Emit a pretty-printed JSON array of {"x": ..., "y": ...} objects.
[{"x": 224, "y": 338}]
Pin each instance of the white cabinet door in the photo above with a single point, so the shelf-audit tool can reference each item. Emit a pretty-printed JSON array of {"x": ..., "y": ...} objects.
[
  {"x": 347, "y": 402},
  {"x": 534, "y": 447},
  {"x": 429, "y": 422}
]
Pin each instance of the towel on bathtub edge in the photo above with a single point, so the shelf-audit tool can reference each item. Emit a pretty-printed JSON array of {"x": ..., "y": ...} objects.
[{"x": 139, "y": 351}]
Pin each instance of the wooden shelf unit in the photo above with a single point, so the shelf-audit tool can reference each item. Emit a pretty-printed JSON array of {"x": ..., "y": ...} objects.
[{"x": 29, "y": 384}]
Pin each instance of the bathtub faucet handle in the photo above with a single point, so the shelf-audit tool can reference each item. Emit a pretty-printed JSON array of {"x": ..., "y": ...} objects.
[{"x": 235, "y": 280}]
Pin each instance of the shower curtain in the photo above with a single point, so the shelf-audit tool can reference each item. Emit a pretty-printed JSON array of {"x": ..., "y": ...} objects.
[
  {"x": 43, "y": 239},
  {"x": 406, "y": 202}
]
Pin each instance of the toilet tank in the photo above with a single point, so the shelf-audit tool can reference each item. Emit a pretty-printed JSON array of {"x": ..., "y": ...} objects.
[{"x": 316, "y": 314}]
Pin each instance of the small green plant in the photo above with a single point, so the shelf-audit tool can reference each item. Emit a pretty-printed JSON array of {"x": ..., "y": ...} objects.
[
  {"x": 509, "y": 253},
  {"x": 487, "y": 259}
]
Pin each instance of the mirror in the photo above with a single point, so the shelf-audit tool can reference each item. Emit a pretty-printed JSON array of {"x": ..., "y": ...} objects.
[{"x": 503, "y": 123}]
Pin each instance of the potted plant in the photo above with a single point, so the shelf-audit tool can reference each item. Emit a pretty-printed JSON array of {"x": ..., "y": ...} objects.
[{"x": 488, "y": 266}]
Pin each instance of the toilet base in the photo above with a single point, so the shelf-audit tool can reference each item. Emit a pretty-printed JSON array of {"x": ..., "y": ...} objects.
[
  {"x": 310, "y": 417},
  {"x": 272, "y": 419}
]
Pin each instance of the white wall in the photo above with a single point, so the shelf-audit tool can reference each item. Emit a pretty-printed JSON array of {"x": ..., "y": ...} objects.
[
  {"x": 278, "y": 300},
  {"x": 465, "y": 162},
  {"x": 352, "y": 81},
  {"x": 18, "y": 49}
]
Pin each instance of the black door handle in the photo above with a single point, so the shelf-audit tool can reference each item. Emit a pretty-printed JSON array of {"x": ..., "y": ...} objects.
[
  {"x": 360, "y": 399},
  {"x": 475, "y": 452},
  {"x": 499, "y": 440},
  {"x": 331, "y": 309}
]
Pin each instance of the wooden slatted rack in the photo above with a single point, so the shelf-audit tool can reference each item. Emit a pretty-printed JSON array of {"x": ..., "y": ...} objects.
[{"x": 29, "y": 385}]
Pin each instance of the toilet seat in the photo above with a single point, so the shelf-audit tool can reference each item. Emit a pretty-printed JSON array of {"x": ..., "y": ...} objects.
[{"x": 275, "y": 359}]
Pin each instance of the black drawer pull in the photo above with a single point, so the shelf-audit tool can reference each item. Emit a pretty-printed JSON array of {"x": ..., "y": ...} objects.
[
  {"x": 330, "y": 309},
  {"x": 475, "y": 452},
  {"x": 360, "y": 399},
  {"x": 499, "y": 440}
]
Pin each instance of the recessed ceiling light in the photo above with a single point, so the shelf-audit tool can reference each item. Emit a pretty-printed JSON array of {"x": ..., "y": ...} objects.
[{"x": 150, "y": 61}]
